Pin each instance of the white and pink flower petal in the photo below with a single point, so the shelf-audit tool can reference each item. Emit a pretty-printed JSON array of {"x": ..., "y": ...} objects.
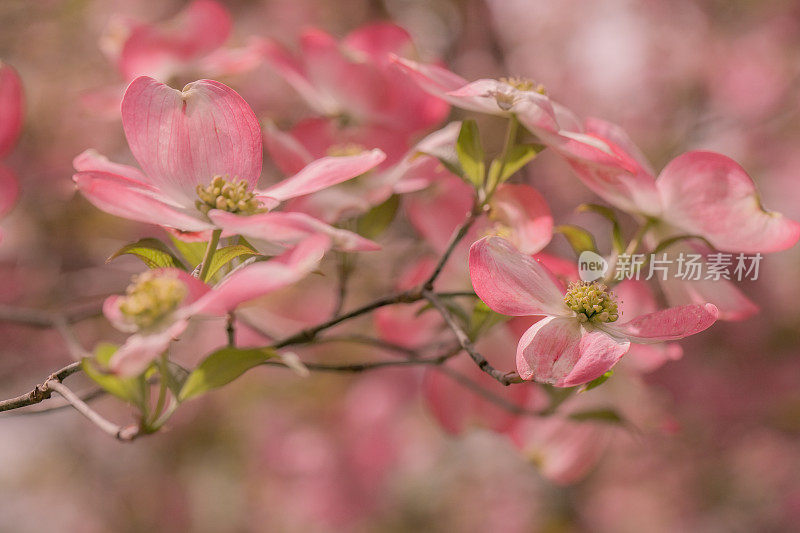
[
  {"x": 183, "y": 139},
  {"x": 323, "y": 173},
  {"x": 141, "y": 349},
  {"x": 731, "y": 303},
  {"x": 512, "y": 283},
  {"x": 120, "y": 197},
  {"x": 709, "y": 194},
  {"x": 524, "y": 211},
  {"x": 289, "y": 228},
  {"x": 564, "y": 353},
  {"x": 666, "y": 325},
  {"x": 260, "y": 279}
]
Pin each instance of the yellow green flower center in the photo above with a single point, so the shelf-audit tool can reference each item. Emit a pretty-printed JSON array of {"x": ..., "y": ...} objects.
[
  {"x": 506, "y": 99},
  {"x": 345, "y": 149},
  {"x": 523, "y": 84},
  {"x": 151, "y": 297},
  {"x": 232, "y": 196},
  {"x": 592, "y": 302}
]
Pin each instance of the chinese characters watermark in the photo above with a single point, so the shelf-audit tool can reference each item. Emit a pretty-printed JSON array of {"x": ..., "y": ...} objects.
[{"x": 688, "y": 267}]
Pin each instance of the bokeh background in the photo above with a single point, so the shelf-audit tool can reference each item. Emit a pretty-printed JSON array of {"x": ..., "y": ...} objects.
[{"x": 716, "y": 445}]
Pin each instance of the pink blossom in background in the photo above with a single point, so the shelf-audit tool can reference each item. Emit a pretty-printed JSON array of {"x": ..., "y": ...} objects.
[
  {"x": 564, "y": 450},
  {"x": 11, "y": 108},
  {"x": 403, "y": 170},
  {"x": 360, "y": 105},
  {"x": 161, "y": 49},
  {"x": 355, "y": 78},
  {"x": 11, "y": 113}
]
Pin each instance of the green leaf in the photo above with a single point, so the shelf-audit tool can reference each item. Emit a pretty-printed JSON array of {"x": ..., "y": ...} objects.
[
  {"x": 245, "y": 242},
  {"x": 152, "y": 252},
  {"x": 470, "y": 153},
  {"x": 222, "y": 367},
  {"x": 516, "y": 158},
  {"x": 596, "y": 382},
  {"x": 193, "y": 252},
  {"x": 600, "y": 415},
  {"x": 131, "y": 390},
  {"x": 608, "y": 213},
  {"x": 377, "y": 220},
  {"x": 482, "y": 319},
  {"x": 223, "y": 256},
  {"x": 175, "y": 376},
  {"x": 580, "y": 239}
]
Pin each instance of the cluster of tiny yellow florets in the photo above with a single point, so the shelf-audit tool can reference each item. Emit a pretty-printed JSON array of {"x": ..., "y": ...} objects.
[
  {"x": 150, "y": 297},
  {"x": 506, "y": 98},
  {"x": 592, "y": 302},
  {"x": 232, "y": 196},
  {"x": 345, "y": 149},
  {"x": 524, "y": 84}
]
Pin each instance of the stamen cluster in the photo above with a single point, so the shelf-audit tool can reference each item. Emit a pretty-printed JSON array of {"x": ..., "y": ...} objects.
[
  {"x": 232, "y": 196},
  {"x": 523, "y": 84},
  {"x": 507, "y": 98},
  {"x": 151, "y": 297},
  {"x": 592, "y": 302}
]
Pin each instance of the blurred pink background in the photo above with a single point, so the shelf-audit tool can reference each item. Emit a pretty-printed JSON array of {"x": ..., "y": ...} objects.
[{"x": 716, "y": 444}]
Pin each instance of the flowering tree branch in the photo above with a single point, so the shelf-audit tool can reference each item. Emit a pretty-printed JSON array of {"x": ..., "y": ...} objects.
[
  {"x": 457, "y": 237},
  {"x": 126, "y": 434},
  {"x": 46, "y": 319},
  {"x": 505, "y": 378},
  {"x": 40, "y": 392}
]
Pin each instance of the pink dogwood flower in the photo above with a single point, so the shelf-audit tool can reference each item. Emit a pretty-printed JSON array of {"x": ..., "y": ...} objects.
[
  {"x": 502, "y": 97},
  {"x": 159, "y": 303},
  {"x": 698, "y": 193},
  {"x": 355, "y": 78},
  {"x": 579, "y": 339},
  {"x": 200, "y": 151}
]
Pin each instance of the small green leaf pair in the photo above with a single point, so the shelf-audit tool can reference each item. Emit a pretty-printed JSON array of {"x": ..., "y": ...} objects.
[
  {"x": 472, "y": 158},
  {"x": 156, "y": 254}
]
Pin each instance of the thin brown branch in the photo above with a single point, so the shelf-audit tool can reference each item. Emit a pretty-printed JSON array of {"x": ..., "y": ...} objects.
[
  {"x": 40, "y": 392},
  {"x": 370, "y": 341},
  {"x": 309, "y": 334},
  {"x": 344, "y": 269},
  {"x": 466, "y": 343},
  {"x": 459, "y": 233},
  {"x": 39, "y": 318},
  {"x": 54, "y": 405},
  {"x": 125, "y": 434},
  {"x": 372, "y": 365}
]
